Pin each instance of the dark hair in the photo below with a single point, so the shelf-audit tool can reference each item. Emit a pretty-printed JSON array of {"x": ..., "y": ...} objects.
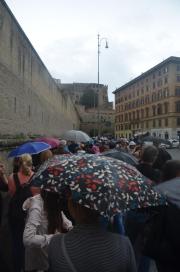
[
  {"x": 162, "y": 157},
  {"x": 149, "y": 154},
  {"x": 170, "y": 170},
  {"x": 53, "y": 208}
]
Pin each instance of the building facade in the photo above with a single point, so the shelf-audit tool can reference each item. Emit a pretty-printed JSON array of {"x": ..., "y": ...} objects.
[
  {"x": 77, "y": 90},
  {"x": 98, "y": 119},
  {"x": 150, "y": 102}
]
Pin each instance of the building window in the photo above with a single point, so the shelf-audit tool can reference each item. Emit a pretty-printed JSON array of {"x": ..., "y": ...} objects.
[
  {"x": 178, "y": 121},
  {"x": 159, "y": 109},
  {"x": 178, "y": 78},
  {"x": 178, "y": 106},
  {"x": 178, "y": 68},
  {"x": 154, "y": 85},
  {"x": 165, "y": 80},
  {"x": 177, "y": 91},
  {"x": 147, "y": 112},
  {"x": 159, "y": 122},
  {"x": 154, "y": 110},
  {"x": 166, "y": 92},
  {"x": 159, "y": 73},
  {"x": 142, "y": 113},
  {"x": 154, "y": 75},
  {"x": 165, "y": 108},
  {"x": 133, "y": 115},
  {"x": 147, "y": 124},
  {"x": 154, "y": 123},
  {"x": 166, "y": 122},
  {"x": 137, "y": 114},
  {"x": 165, "y": 70}
]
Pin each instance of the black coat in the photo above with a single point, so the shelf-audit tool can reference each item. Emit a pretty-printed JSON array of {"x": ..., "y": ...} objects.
[
  {"x": 149, "y": 172},
  {"x": 4, "y": 188},
  {"x": 163, "y": 239}
]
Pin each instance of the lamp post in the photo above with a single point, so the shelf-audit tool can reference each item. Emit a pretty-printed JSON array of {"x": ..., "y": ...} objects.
[{"x": 99, "y": 46}]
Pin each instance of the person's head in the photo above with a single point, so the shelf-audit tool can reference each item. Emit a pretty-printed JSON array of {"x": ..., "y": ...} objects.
[
  {"x": 53, "y": 208},
  {"x": 45, "y": 155},
  {"x": 81, "y": 214},
  {"x": 25, "y": 164},
  {"x": 149, "y": 154},
  {"x": 170, "y": 170},
  {"x": 132, "y": 145}
]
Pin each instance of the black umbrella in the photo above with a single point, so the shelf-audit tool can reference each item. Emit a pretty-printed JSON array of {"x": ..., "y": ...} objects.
[
  {"x": 122, "y": 156},
  {"x": 171, "y": 190}
]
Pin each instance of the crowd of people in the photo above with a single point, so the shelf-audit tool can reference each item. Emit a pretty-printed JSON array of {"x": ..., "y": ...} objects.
[{"x": 49, "y": 234}]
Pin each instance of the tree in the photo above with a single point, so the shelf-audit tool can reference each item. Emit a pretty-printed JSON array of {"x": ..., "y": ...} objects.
[{"x": 89, "y": 99}]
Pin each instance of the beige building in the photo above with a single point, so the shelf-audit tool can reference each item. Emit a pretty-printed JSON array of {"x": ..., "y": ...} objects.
[{"x": 150, "y": 102}]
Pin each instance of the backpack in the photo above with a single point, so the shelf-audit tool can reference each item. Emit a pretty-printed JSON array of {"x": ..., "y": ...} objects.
[{"x": 16, "y": 213}]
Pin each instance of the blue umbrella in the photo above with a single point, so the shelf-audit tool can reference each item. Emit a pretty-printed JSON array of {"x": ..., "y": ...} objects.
[{"x": 29, "y": 148}]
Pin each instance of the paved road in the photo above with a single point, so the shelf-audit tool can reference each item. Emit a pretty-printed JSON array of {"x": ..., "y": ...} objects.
[{"x": 175, "y": 153}]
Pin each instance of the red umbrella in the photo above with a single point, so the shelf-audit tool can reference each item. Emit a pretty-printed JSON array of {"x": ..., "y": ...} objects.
[{"x": 53, "y": 142}]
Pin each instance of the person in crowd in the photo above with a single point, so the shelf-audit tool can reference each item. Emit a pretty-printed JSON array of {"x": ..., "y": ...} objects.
[
  {"x": 44, "y": 219},
  {"x": 24, "y": 173},
  {"x": 123, "y": 144},
  {"x": 89, "y": 247},
  {"x": 19, "y": 192},
  {"x": 45, "y": 155},
  {"x": 40, "y": 158},
  {"x": 62, "y": 149},
  {"x": 170, "y": 170},
  {"x": 3, "y": 186},
  {"x": 137, "y": 151},
  {"x": 148, "y": 157},
  {"x": 131, "y": 146},
  {"x": 162, "y": 157},
  {"x": 162, "y": 241},
  {"x": 73, "y": 146}
]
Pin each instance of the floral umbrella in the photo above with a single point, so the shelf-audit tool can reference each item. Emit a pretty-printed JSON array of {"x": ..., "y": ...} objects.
[{"x": 100, "y": 183}]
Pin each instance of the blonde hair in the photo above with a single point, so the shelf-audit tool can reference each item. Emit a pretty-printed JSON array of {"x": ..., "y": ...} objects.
[{"x": 25, "y": 163}]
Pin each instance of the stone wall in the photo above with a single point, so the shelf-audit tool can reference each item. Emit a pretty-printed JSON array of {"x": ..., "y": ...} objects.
[{"x": 30, "y": 100}]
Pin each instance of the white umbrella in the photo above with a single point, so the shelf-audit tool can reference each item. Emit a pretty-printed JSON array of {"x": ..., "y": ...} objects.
[{"x": 76, "y": 136}]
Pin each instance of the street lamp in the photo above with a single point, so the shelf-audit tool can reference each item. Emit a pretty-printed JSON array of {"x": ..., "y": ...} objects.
[{"x": 99, "y": 46}]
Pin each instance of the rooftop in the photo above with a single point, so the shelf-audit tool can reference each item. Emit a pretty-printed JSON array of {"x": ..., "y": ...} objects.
[{"x": 143, "y": 75}]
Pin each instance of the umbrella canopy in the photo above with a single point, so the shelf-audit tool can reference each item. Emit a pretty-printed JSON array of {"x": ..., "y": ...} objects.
[
  {"x": 171, "y": 190},
  {"x": 29, "y": 148},
  {"x": 53, "y": 142},
  {"x": 121, "y": 155},
  {"x": 76, "y": 136},
  {"x": 96, "y": 182}
]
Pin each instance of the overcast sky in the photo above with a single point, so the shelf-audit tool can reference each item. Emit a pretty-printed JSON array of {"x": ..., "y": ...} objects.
[{"x": 141, "y": 33}]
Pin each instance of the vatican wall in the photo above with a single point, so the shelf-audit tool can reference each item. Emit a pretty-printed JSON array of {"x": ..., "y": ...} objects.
[{"x": 30, "y": 99}]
